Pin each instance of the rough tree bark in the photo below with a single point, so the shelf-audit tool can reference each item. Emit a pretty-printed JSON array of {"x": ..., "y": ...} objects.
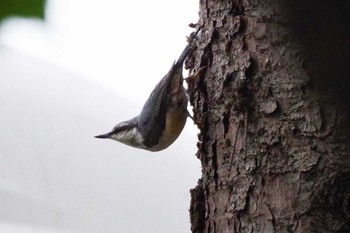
[{"x": 273, "y": 111}]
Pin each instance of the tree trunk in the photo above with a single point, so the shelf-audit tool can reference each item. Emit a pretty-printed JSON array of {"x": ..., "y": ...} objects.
[{"x": 273, "y": 110}]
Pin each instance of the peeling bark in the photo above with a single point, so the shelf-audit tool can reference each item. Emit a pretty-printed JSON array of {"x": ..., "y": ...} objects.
[{"x": 274, "y": 127}]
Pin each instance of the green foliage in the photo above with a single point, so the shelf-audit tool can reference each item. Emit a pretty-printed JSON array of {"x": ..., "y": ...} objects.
[{"x": 23, "y": 8}]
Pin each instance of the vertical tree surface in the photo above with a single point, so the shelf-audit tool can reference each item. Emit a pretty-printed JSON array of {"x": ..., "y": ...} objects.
[{"x": 273, "y": 110}]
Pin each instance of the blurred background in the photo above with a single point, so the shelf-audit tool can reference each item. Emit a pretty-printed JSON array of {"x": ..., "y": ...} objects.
[{"x": 75, "y": 73}]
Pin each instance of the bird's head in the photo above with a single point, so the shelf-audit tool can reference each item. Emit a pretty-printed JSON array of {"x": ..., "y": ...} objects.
[{"x": 126, "y": 132}]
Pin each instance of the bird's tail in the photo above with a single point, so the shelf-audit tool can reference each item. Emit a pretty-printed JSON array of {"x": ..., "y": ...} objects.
[
  {"x": 183, "y": 56},
  {"x": 187, "y": 49}
]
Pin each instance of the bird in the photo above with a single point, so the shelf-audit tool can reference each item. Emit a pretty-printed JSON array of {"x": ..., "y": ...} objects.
[{"x": 163, "y": 116}]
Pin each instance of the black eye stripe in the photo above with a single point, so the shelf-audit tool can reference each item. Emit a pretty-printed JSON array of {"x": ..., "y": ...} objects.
[{"x": 122, "y": 128}]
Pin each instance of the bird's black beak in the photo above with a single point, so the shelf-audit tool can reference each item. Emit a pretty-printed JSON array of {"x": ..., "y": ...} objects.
[{"x": 107, "y": 135}]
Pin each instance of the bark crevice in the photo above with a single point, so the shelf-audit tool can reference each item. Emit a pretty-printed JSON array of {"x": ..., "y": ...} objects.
[{"x": 272, "y": 108}]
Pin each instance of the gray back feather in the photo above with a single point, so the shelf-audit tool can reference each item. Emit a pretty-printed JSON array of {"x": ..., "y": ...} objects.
[{"x": 151, "y": 121}]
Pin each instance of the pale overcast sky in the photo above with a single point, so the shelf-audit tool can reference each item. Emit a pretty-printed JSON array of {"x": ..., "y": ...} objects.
[
  {"x": 126, "y": 46},
  {"x": 54, "y": 175}
]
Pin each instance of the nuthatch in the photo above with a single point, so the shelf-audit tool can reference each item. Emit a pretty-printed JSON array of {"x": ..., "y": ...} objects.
[{"x": 163, "y": 116}]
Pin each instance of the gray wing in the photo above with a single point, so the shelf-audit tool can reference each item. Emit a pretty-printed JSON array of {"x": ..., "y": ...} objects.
[{"x": 152, "y": 118}]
